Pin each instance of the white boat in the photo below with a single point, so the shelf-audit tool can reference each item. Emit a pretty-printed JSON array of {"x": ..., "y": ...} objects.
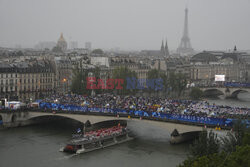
[{"x": 99, "y": 139}]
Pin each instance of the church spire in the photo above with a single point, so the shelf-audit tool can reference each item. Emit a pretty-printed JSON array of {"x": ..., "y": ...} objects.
[
  {"x": 166, "y": 49},
  {"x": 235, "y": 48},
  {"x": 162, "y": 46}
]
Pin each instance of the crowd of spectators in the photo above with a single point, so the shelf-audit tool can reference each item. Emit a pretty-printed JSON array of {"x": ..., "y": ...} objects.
[{"x": 151, "y": 104}]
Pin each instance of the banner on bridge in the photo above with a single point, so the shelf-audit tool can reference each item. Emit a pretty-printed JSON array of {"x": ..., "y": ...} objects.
[{"x": 159, "y": 115}]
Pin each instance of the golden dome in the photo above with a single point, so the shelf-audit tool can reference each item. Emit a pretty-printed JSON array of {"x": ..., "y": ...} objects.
[
  {"x": 61, "y": 38},
  {"x": 61, "y": 43}
]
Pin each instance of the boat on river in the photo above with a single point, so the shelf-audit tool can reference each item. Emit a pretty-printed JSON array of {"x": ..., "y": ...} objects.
[{"x": 98, "y": 139}]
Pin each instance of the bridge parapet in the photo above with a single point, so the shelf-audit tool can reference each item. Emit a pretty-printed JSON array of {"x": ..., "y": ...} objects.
[{"x": 26, "y": 117}]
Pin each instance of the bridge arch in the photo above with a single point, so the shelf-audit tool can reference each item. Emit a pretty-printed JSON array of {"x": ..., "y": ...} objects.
[
  {"x": 109, "y": 123},
  {"x": 75, "y": 123},
  {"x": 53, "y": 117},
  {"x": 236, "y": 92},
  {"x": 213, "y": 92}
]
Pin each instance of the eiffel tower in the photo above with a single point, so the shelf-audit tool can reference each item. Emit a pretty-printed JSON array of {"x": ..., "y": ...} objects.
[{"x": 185, "y": 47}]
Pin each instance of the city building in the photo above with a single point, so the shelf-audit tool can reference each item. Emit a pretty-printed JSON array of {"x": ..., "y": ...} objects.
[
  {"x": 141, "y": 69},
  {"x": 100, "y": 61},
  {"x": 163, "y": 52},
  {"x": 64, "y": 69},
  {"x": 88, "y": 46},
  {"x": 233, "y": 65},
  {"x": 25, "y": 81},
  {"x": 73, "y": 45},
  {"x": 45, "y": 45}
]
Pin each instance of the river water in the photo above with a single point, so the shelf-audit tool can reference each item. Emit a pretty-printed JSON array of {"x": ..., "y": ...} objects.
[
  {"x": 38, "y": 146},
  {"x": 242, "y": 101}
]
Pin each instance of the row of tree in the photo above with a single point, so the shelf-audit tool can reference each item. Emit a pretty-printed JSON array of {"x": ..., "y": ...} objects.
[
  {"x": 232, "y": 150},
  {"x": 79, "y": 82},
  {"x": 172, "y": 84}
]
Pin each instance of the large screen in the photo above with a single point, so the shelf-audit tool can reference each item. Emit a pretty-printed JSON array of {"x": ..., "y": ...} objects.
[{"x": 219, "y": 77}]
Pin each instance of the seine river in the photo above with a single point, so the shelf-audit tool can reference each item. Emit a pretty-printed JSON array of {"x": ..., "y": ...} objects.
[{"x": 38, "y": 146}]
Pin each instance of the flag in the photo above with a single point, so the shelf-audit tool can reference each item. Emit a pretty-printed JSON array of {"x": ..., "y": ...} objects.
[{"x": 78, "y": 130}]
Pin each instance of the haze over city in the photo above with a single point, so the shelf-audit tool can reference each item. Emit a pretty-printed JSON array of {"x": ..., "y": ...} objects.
[{"x": 129, "y": 25}]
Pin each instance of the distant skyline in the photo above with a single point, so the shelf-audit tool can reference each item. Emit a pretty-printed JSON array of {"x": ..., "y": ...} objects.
[{"x": 128, "y": 25}]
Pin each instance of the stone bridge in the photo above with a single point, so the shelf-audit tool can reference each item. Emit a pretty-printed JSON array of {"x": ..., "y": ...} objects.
[
  {"x": 227, "y": 91},
  {"x": 15, "y": 119}
]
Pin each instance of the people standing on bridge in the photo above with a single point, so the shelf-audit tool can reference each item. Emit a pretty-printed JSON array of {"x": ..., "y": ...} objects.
[{"x": 147, "y": 104}]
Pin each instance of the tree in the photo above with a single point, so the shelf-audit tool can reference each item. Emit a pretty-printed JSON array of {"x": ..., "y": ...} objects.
[
  {"x": 196, "y": 93},
  {"x": 235, "y": 138},
  {"x": 124, "y": 73},
  {"x": 157, "y": 74},
  {"x": 97, "y": 51},
  {"x": 177, "y": 82},
  {"x": 206, "y": 144},
  {"x": 78, "y": 85},
  {"x": 57, "y": 49},
  {"x": 239, "y": 158},
  {"x": 19, "y": 53},
  {"x": 204, "y": 161},
  {"x": 246, "y": 139},
  {"x": 79, "y": 81},
  {"x": 235, "y": 149},
  {"x": 229, "y": 142}
]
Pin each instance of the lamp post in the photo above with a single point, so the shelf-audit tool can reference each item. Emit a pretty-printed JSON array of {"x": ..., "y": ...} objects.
[
  {"x": 90, "y": 74},
  {"x": 64, "y": 84}
]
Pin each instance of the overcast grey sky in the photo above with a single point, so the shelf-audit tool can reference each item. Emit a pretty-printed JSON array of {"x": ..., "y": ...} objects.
[{"x": 128, "y": 24}]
